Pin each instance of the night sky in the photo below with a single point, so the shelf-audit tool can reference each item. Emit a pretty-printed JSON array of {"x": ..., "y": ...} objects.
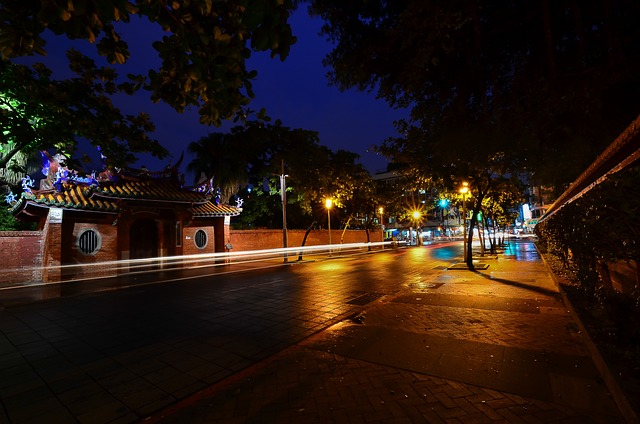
[{"x": 295, "y": 91}]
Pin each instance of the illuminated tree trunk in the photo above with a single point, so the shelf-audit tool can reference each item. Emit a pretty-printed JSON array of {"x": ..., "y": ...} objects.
[
  {"x": 476, "y": 209},
  {"x": 304, "y": 239}
]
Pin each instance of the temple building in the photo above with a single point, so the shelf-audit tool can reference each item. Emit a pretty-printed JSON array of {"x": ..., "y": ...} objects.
[{"x": 119, "y": 215}]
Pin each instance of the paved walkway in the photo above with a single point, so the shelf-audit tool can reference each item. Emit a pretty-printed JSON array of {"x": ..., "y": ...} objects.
[
  {"x": 496, "y": 345},
  {"x": 454, "y": 346}
]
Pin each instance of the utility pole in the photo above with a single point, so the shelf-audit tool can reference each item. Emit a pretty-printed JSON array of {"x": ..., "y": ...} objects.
[{"x": 283, "y": 195}]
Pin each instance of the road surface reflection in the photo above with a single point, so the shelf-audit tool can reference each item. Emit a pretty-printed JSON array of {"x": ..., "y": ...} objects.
[{"x": 359, "y": 270}]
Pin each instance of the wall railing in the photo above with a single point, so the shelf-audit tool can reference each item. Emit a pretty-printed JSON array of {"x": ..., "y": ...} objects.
[{"x": 622, "y": 153}]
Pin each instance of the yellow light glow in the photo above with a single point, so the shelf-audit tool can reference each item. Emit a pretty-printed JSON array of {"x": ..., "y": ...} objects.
[
  {"x": 465, "y": 188},
  {"x": 380, "y": 210},
  {"x": 416, "y": 214},
  {"x": 328, "y": 203}
]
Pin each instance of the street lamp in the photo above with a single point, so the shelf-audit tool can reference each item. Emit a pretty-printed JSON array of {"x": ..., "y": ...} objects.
[
  {"x": 416, "y": 217},
  {"x": 283, "y": 198},
  {"x": 380, "y": 211},
  {"x": 328, "y": 203},
  {"x": 464, "y": 190},
  {"x": 283, "y": 195}
]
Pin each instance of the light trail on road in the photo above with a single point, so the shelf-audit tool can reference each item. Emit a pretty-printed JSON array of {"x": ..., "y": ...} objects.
[{"x": 109, "y": 269}]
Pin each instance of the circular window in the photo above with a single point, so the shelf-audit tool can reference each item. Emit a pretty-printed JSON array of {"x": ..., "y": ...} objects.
[
  {"x": 201, "y": 239},
  {"x": 89, "y": 242}
]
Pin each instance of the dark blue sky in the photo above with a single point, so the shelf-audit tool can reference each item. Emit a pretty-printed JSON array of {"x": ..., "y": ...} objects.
[{"x": 295, "y": 91}]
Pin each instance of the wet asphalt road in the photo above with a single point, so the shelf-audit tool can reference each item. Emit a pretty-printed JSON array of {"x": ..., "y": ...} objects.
[
  {"x": 136, "y": 350},
  {"x": 125, "y": 354}
]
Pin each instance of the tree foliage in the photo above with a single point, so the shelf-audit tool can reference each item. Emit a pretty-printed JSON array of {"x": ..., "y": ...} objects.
[
  {"x": 9, "y": 223},
  {"x": 552, "y": 82},
  {"x": 499, "y": 208},
  {"x": 38, "y": 112},
  {"x": 261, "y": 153},
  {"x": 203, "y": 51},
  {"x": 496, "y": 87},
  {"x": 217, "y": 159},
  {"x": 202, "y": 47}
]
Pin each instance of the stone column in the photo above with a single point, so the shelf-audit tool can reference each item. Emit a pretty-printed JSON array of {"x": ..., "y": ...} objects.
[{"x": 52, "y": 252}]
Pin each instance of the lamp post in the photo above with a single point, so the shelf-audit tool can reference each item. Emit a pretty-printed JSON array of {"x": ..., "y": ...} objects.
[
  {"x": 283, "y": 198},
  {"x": 381, "y": 210},
  {"x": 328, "y": 203},
  {"x": 283, "y": 188},
  {"x": 416, "y": 216},
  {"x": 464, "y": 190}
]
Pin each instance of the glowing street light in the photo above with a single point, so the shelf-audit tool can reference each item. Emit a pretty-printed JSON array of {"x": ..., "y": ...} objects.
[
  {"x": 328, "y": 203},
  {"x": 464, "y": 190}
]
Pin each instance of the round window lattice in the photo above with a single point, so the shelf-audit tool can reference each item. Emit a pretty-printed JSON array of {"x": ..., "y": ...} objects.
[
  {"x": 200, "y": 239},
  {"x": 89, "y": 242}
]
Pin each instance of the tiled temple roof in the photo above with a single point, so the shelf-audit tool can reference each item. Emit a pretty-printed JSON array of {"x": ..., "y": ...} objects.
[
  {"x": 107, "y": 197},
  {"x": 210, "y": 209},
  {"x": 112, "y": 188},
  {"x": 71, "y": 197},
  {"x": 149, "y": 190}
]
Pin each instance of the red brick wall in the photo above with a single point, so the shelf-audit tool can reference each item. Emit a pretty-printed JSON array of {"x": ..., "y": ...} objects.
[
  {"x": 108, "y": 252},
  {"x": 21, "y": 253},
  {"x": 24, "y": 253},
  {"x": 189, "y": 244},
  {"x": 243, "y": 240}
]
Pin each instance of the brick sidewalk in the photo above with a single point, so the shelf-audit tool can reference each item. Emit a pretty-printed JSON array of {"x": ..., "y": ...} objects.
[
  {"x": 451, "y": 346},
  {"x": 302, "y": 385}
]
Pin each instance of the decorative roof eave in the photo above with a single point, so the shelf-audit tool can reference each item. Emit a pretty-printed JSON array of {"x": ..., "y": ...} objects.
[
  {"x": 28, "y": 207},
  {"x": 73, "y": 198},
  {"x": 20, "y": 207},
  {"x": 211, "y": 210}
]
